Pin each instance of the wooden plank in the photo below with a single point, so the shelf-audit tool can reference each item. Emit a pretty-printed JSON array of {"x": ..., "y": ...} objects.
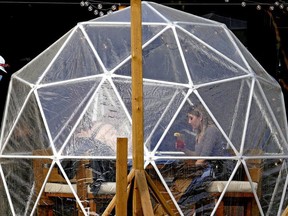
[
  {"x": 136, "y": 200},
  {"x": 81, "y": 186},
  {"x": 143, "y": 190},
  {"x": 112, "y": 203},
  {"x": 158, "y": 194},
  {"x": 121, "y": 176}
]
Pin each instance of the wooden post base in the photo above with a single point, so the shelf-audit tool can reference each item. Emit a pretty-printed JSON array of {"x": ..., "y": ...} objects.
[{"x": 141, "y": 182}]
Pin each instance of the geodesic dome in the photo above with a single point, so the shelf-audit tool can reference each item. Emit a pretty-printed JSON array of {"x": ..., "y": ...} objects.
[{"x": 73, "y": 100}]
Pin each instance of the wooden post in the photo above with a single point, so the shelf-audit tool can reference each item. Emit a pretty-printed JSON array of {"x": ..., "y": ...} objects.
[
  {"x": 137, "y": 97},
  {"x": 121, "y": 176},
  {"x": 141, "y": 202},
  {"x": 137, "y": 85}
]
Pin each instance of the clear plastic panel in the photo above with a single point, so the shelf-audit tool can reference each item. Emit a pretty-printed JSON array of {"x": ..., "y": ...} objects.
[
  {"x": 194, "y": 133},
  {"x": 117, "y": 16},
  {"x": 188, "y": 187},
  {"x": 18, "y": 94},
  {"x": 155, "y": 126},
  {"x": 112, "y": 42},
  {"x": 204, "y": 64},
  {"x": 163, "y": 110},
  {"x": 20, "y": 184},
  {"x": 218, "y": 38},
  {"x": 63, "y": 105},
  {"x": 272, "y": 184},
  {"x": 148, "y": 15},
  {"x": 29, "y": 132},
  {"x": 4, "y": 204},
  {"x": 178, "y": 124},
  {"x": 228, "y": 101},
  {"x": 162, "y": 60},
  {"x": 274, "y": 96},
  {"x": 74, "y": 185},
  {"x": 35, "y": 69},
  {"x": 103, "y": 122},
  {"x": 262, "y": 132},
  {"x": 76, "y": 60}
]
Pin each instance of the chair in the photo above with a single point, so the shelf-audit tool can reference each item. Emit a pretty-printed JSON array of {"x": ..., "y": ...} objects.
[
  {"x": 239, "y": 193},
  {"x": 57, "y": 187}
]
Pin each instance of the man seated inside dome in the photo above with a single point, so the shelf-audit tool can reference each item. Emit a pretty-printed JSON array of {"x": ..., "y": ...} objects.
[{"x": 98, "y": 140}]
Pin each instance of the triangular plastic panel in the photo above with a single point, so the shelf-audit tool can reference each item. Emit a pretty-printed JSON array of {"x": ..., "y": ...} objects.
[
  {"x": 174, "y": 15},
  {"x": 122, "y": 15},
  {"x": 4, "y": 204},
  {"x": 179, "y": 125},
  {"x": 188, "y": 136},
  {"x": 63, "y": 105},
  {"x": 162, "y": 59},
  {"x": 230, "y": 98},
  {"x": 148, "y": 15},
  {"x": 284, "y": 171},
  {"x": 19, "y": 172},
  {"x": 203, "y": 63},
  {"x": 70, "y": 167},
  {"x": 125, "y": 69},
  {"x": 33, "y": 71},
  {"x": 218, "y": 37},
  {"x": 56, "y": 185},
  {"x": 18, "y": 94},
  {"x": 112, "y": 42},
  {"x": 41, "y": 168},
  {"x": 262, "y": 132},
  {"x": 154, "y": 125},
  {"x": 239, "y": 192},
  {"x": 94, "y": 175},
  {"x": 179, "y": 176},
  {"x": 103, "y": 122},
  {"x": 56, "y": 174},
  {"x": 192, "y": 191},
  {"x": 274, "y": 96},
  {"x": 76, "y": 60},
  {"x": 272, "y": 184},
  {"x": 29, "y": 133},
  {"x": 59, "y": 188}
]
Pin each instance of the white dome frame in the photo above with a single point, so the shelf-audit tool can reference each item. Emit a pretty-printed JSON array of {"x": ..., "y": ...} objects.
[{"x": 82, "y": 56}]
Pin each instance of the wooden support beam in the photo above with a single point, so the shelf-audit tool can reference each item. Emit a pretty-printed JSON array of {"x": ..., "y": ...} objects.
[
  {"x": 158, "y": 195},
  {"x": 112, "y": 203},
  {"x": 137, "y": 96},
  {"x": 121, "y": 176},
  {"x": 141, "y": 202},
  {"x": 143, "y": 190},
  {"x": 137, "y": 85}
]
